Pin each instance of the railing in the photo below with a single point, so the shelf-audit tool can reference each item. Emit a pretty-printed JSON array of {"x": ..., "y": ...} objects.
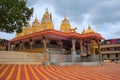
[
  {"x": 27, "y": 47},
  {"x": 37, "y": 46},
  {"x": 109, "y": 45},
  {"x": 52, "y": 46},
  {"x": 37, "y": 50},
  {"x": 107, "y": 52},
  {"x": 16, "y": 48}
]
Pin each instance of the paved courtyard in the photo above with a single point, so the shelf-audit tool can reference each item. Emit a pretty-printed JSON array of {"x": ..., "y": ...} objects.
[{"x": 108, "y": 71}]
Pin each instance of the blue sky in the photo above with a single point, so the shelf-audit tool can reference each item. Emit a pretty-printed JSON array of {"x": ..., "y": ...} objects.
[{"x": 103, "y": 15}]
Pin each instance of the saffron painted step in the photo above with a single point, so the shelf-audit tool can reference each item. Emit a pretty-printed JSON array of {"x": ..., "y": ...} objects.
[
  {"x": 12, "y": 57},
  {"x": 108, "y": 71}
]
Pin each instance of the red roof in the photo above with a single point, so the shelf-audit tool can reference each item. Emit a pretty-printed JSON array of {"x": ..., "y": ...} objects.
[{"x": 58, "y": 35}]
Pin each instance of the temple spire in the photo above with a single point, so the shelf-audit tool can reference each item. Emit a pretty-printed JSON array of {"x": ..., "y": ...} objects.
[
  {"x": 65, "y": 26},
  {"x": 89, "y": 27},
  {"x": 46, "y": 9},
  {"x": 89, "y": 30},
  {"x": 65, "y": 15},
  {"x": 50, "y": 16},
  {"x": 83, "y": 30},
  {"x": 46, "y": 22},
  {"x": 36, "y": 20}
]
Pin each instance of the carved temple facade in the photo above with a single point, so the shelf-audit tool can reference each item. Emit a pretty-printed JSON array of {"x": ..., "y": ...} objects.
[{"x": 42, "y": 35}]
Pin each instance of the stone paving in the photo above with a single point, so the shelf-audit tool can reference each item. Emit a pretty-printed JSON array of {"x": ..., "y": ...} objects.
[{"x": 107, "y": 71}]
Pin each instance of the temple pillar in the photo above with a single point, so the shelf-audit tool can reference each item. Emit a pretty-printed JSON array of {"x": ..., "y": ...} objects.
[
  {"x": 88, "y": 47},
  {"x": 81, "y": 47},
  {"x": 23, "y": 46},
  {"x": 20, "y": 46},
  {"x": 9, "y": 46},
  {"x": 47, "y": 61},
  {"x": 99, "y": 47},
  {"x": 60, "y": 44},
  {"x": 73, "y": 50},
  {"x": 93, "y": 47},
  {"x": 84, "y": 48},
  {"x": 73, "y": 44},
  {"x": 46, "y": 55},
  {"x": 31, "y": 44},
  {"x": 99, "y": 50},
  {"x": 44, "y": 44},
  {"x": 12, "y": 47}
]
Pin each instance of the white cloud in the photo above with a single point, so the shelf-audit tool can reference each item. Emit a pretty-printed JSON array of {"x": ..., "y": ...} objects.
[
  {"x": 103, "y": 15},
  {"x": 7, "y": 36}
]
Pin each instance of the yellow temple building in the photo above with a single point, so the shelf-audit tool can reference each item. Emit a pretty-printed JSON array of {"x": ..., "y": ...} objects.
[{"x": 42, "y": 35}]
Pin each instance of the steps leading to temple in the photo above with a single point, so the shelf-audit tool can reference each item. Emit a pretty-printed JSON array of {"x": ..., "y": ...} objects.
[{"x": 12, "y": 57}]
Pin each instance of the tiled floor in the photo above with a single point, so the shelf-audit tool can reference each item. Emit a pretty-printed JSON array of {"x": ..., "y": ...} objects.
[{"x": 108, "y": 71}]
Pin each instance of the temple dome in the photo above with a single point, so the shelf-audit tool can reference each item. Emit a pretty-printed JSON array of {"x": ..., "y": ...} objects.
[
  {"x": 89, "y": 30},
  {"x": 65, "y": 26},
  {"x": 36, "y": 20},
  {"x": 46, "y": 22}
]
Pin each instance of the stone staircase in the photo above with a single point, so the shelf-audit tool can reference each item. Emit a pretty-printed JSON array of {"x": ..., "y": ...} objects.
[{"x": 13, "y": 57}]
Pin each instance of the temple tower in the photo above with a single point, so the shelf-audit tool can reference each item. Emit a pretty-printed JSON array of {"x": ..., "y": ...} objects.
[
  {"x": 35, "y": 26},
  {"x": 89, "y": 30},
  {"x": 46, "y": 22},
  {"x": 65, "y": 26}
]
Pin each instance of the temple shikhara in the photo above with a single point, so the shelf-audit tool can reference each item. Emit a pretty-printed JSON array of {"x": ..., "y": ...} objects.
[{"x": 42, "y": 36}]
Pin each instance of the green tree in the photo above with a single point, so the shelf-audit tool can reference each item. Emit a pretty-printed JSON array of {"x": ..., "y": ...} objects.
[{"x": 13, "y": 15}]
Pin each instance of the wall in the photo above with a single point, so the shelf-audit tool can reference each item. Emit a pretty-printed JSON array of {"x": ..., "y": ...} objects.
[
  {"x": 58, "y": 58},
  {"x": 12, "y": 57}
]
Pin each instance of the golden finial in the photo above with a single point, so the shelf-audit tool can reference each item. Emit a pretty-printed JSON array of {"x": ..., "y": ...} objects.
[
  {"x": 64, "y": 14},
  {"x": 83, "y": 30},
  {"x": 36, "y": 20},
  {"x": 36, "y": 15},
  {"x": 89, "y": 27},
  {"x": 65, "y": 17},
  {"x": 46, "y": 9}
]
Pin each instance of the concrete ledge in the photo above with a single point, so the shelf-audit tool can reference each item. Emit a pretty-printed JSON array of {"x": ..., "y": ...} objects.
[
  {"x": 89, "y": 63},
  {"x": 64, "y": 63},
  {"x": 46, "y": 63},
  {"x": 79, "y": 63},
  {"x": 34, "y": 63},
  {"x": 118, "y": 61}
]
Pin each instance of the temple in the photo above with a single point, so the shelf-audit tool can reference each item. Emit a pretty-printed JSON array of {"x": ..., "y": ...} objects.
[{"x": 42, "y": 36}]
